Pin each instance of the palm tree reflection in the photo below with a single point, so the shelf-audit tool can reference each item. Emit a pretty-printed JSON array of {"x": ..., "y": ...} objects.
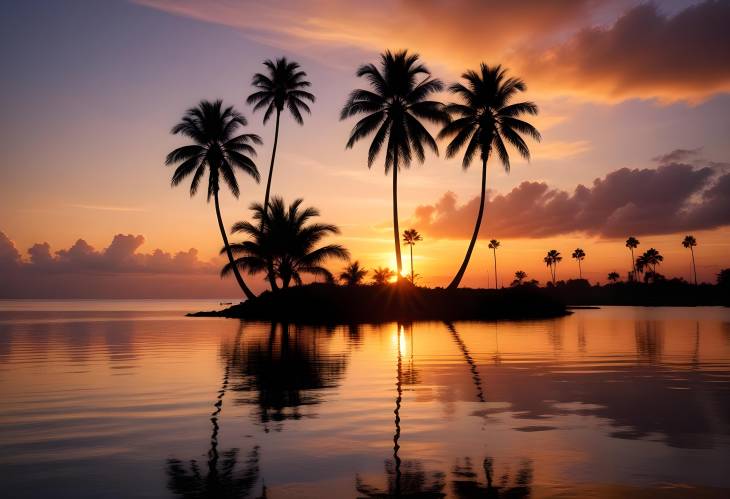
[
  {"x": 466, "y": 484},
  {"x": 469, "y": 360}
]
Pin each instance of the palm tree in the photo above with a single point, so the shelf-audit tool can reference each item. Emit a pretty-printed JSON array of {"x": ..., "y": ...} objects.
[
  {"x": 283, "y": 84},
  {"x": 218, "y": 150},
  {"x": 551, "y": 260},
  {"x": 520, "y": 276},
  {"x": 410, "y": 238},
  {"x": 653, "y": 258},
  {"x": 353, "y": 274},
  {"x": 690, "y": 242},
  {"x": 282, "y": 240},
  {"x": 640, "y": 264},
  {"x": 632, "y": 243},
  {"x": 483, "y": 122},
  {"x": 394, "y": 108},
  {"x": 613, "y": 276},
  {"x": 493, "y": 245},
  {"x": 382, "y": 275},
  {"x": 579, "y": 255}
]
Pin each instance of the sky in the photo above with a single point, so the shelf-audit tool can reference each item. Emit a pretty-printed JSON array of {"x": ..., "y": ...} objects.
[{"x": 634, "y": 102}]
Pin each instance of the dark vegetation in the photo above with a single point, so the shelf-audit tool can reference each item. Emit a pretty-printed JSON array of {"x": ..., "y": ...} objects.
[{"x": 329, "y": 303}]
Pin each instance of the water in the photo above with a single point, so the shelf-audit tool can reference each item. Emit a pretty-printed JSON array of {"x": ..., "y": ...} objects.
[{"x": 131, "y": 399}]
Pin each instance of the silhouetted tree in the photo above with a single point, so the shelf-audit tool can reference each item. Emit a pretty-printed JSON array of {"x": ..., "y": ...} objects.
[
  {"x": 466, "y": 483},
  {"x": 287, "y": 240},
  {"x": 283, "y": 84},
  {"x": 493, "y": 245},
  {"x": 482, "y": 122},
  {"x": 579, "y": 255},
  {"x": 353, "y": 274},
  {"x": 690, "y": 242},
  {"x": 520, "y": 276},
  {"x": 640, "y": 265},
  {"x": 551, "y": 260},
  {"x": 613, "y": 276},
  {"x": 382, "y": 275},
  {"x": 217, "y": 150},
  {"x": 633, "y": 243},
  {"x": 410, "y": 238},
  {"x": 653, "y": 258},
  {"x": 723, "y": 279},
  {"x": 394, "y": 107}
]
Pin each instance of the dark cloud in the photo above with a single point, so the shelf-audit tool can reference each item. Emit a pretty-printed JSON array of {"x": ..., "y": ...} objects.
[
  {"x": 674, "y": 197},
  {"x": 118, "y": 271},
  {"x": 678, "y": 155},
  {"x": 644, "y": 54}
]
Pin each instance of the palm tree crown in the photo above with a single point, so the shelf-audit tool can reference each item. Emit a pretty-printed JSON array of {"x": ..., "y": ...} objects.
[
  {"x": 393, "y": 109},
  {"x": 551, "y": 260},
  {"x": 411, "y": 237},
  {"x": 689, "y": 241},
  {"x": 579, "y": 255},
  {"x": 482, "y": 122},
  {"x": 633, "y": 243},
  {"x": 353, "y": 274},
  {"x": 283, "y": 84},
  {"x": 286, "y": 240},
  {"x": 382, "y": 275}
]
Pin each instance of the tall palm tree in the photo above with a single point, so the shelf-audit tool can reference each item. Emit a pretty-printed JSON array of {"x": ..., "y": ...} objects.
[
  {"x": 283, "y": 85},
  {"x": 353, "y": 274},
  {"x": 410, "y": 238},
  {"x": 632, "y": 243},
  {"x": 484, "y": 120},
  {"x": 690, "y": 242},
  {"x": 579, "y": 255},
  {"x": 551, "y": 260},
  {"x": 653, "y": 258},
  {"x": 640, "y": 264},
  {"x": 493, "y": 245},
  {"x": 394, "y": 107},
  {"x": 382, "y": 275},
  {"x": 284, "y": 238},
  {"x": 218, "y": 150}
]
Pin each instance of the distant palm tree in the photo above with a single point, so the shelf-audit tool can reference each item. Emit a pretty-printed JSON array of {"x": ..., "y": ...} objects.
[
  {"x": 640, "y": 265},
  {"x": 493, "y": 245},
  {"x": 653, "y": 258},
  {"x": 520, "y": 277},
  {"x": 483, "y": 122},
  {"x": 410, "y": 238},
  {"x": 353, "y": 274},
  {"x": 551, "y": 260},
  {"x": 285, "y": 239},
  {"x": 632, "y": 243},
  {"x": 579, "y": 255},
  {"x": 382, "y": 275},
  {"x": 394, "y": 108},
  {"x": 283, "y": 85},
  {"x": 218, "y": 150},
  {"x": 613, "y": 276},
  {"x": 690, "y": 242}
]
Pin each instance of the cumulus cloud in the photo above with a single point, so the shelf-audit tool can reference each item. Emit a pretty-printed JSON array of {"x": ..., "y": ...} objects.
[
  {"x": 675, "y": 197},
  {"x": 601, "y": 50},
  {"x": 118, "y": 270}
]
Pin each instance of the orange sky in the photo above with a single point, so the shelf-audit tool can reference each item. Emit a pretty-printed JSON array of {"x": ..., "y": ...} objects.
[{"x": 95, "y": 89}]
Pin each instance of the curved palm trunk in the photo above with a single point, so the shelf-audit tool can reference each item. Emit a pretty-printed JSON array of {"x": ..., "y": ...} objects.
[
  {"x": 494, "y": 250},
  {"x": 413, "y": 278},
  {"x": 396, "y": 230},
  {"x": 633, "y": 263},
  {"x": 580, "y": 271},
  {"x": 246, "y": 291},
  {"x": 694, "y": 267},
  {"x": 270, "y": 269},
  {"x": 460, "y": 274}
]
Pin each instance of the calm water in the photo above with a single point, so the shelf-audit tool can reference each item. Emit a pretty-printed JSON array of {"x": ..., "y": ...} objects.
[{"x": 130, "y": 399}]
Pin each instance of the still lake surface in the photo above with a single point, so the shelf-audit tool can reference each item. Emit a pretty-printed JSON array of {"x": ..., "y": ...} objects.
[{"x": 126, "y": 399}]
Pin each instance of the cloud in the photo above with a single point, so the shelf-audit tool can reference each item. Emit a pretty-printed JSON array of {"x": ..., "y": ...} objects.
[
  {"x": 599, "y": 50},
  {"x": 675, "y": 197},
  {"x": 118, "y": 270}
]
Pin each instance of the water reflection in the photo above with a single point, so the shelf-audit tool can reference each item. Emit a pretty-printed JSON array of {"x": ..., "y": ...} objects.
[{"x": 467, "y": 485}]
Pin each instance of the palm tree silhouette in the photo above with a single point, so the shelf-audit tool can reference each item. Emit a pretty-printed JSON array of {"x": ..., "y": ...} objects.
[
  {"x": 579, "y": 255},
  {"x": 493, "y": 245},
  {"x": 520, "y": 276},
  {"x": 286, "y": 240},
  {"x": 632, "y": 243},
  {"x": 653, "y": 258},
  {"x": 483, "y": 122},
  {"x": 218, "y": 150},
  {"x": 382, "y": 275},
  {"x": 410, "y": 238},
  {"x": 690, "y": 242},
  {"x": 551, "y": 260},
  {"x": 613, "y": 276},
  {"x": 394, "y": 108},
  {"x": 640, "y": 264},
  {"x": 283, "y": 84},
  {"x": 353, "y": 274}
]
